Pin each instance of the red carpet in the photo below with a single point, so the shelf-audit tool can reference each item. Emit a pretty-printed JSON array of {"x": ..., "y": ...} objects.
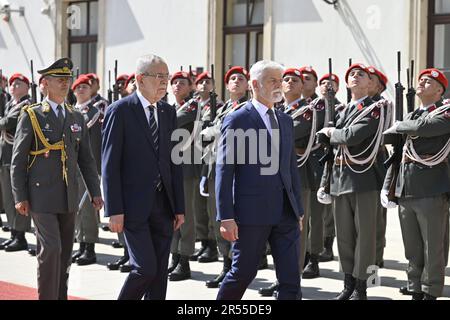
[{"x": 11, "y": 291}]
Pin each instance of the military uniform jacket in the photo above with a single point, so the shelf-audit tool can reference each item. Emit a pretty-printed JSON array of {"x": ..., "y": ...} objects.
[
  {"x": 8, "y": 124},
  {"x": 39, "y": 179},
  {"x": 429, "y": 134},
  {"x": 383, "y": 155},
  {"x": 357, "y": 138}
]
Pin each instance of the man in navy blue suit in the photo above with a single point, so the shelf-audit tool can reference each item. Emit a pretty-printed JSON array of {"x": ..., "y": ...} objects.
[
  {"x": 143, "y": 188},
  {"x": 258, "y": 188}
]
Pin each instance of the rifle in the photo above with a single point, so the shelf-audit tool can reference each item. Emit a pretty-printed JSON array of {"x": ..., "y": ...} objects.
[
  {"x": 395, "y": 159},
  {"x": 115, "y": 86},
  {"x": 2, "y": 93},
  {"x": 110, "y": 93},
  {"x": 213, "y": 96},
  {"x": 78, "y": 73},
  {"x": 411, "y": 93},
  {"x": 349, "y": 92},
  {"x": 328, "y": 157},
  {"x": 33, "y": 85}
]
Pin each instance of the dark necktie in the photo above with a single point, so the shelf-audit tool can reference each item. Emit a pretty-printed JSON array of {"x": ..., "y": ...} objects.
[
  {"x": 275, "y": 138},
  {"x": 155, "y": 137},
  {"x": 60, "y": 115}
]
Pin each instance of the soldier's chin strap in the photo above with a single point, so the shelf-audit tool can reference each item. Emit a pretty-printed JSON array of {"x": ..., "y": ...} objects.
[
  {"x": 343, "y": 150},
  {"x": 47, "y": 146},
  {"x": 410, "y": 152}
]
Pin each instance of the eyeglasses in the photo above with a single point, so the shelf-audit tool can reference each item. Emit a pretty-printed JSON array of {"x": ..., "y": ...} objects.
[{"x": 159, "y": 76}]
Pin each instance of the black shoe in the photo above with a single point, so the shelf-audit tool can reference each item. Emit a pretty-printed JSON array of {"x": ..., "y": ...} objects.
[
  {"x": 79, "y": 253},
  {"x": 6, "y": 229},
  {"x": 88, "y": 257},
  {"x": 173, "y": 262},
  {"x": 307, "y": 255},
  {"x": 200, "y": 251},
  {"x": 126, "y": 268},
  {"x": 105, "y": 227},
  {"x": 116, "y": 244},
  {"x": 327, "y": 253},
  {"x": 349, "y": 287},
  {"x": 380, "y": 264},
  {"x": 312, "y": 269},
  {"x": 32, "y": 252},
  {"x": 121, "y": 261},
  {"x": 215, "y": 283},
  {"x": 427, "y": 296},
  {"x": 263, "y": 264},
  {"x": 210, "y": 254},
  {"x": 360, "y": 292},
  {"x": 417, "y": 296},
  {"x": 5, "y": 243},
  {"x": 268, "y": 291},
  {"x": 18, "y": 244},
  {"x": 405, "y": 291},
  {"x": 182, "y": 271}
]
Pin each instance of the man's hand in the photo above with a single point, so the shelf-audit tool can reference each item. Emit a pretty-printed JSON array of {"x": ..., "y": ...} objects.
[
  {"x": 97, "y": 202},
  {"x": 178, "y": 221},
  {"x": 116, "y": 223},
  {"x": 229, "y": 230},
  {"x": 393, "y": 129},
  {"x": 23, "y": 208},
  {"x": 385, "y": 200},
  {"x": 328, "y": 131}
]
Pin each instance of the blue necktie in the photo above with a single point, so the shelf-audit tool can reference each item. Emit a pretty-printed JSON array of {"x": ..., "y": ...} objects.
[{"x": 155, "y": 137}]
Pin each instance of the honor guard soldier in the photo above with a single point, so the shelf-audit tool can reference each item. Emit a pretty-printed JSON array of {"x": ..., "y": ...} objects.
[
  {"x": 188, "y": 117},
  {"x": 19, "y": 86},
  {"x": 236, "y": 82},
  {"x": 356, "y": 138},
  {"x": 99, "y": 102},
  {"x": 422, "y": 186},
  {"x": 120, "y": 83},
  {"x": 309, "y": 83},
  {"x": 376, "y": 88},
  {"x": 50, "y": 146},
  {"x": 86, "y": 228}
]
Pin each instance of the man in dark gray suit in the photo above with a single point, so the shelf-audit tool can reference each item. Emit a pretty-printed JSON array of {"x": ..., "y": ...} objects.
[{"x": 51, "y": 143}]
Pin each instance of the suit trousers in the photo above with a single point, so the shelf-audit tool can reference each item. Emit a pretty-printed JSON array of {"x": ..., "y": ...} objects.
[
  {"x": 16, "y": 221},
  {"x": 424, "y": 224},
  {"x": 54, "y": 234},
  {"x": 355, "y": 215},
  {"x": 148, "y": 245},
  {"x": 183, "y": 241}
]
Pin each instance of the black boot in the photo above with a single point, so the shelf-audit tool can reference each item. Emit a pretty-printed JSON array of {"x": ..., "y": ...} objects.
[
  {"x": 360, "y": 292},
  {"x": 305, "y": 263},
  {"x": 263, "y": 264},
  {"x": 80, "y": 251},
  {"x": 215, "y": 283},
  {"x": 174, "y": 262},
  {"x": 19, "y": 243},
  {"x": 405, "y": 291},
  {"x": 349, "y": 287},
  {"x": 89, "y": 256},
  {"x": 200, "y": 251},
  {"x": 8, "y": 241},
  {"x": 268, "y": 291},
  {"x": 327, "y": 253},
  {"x": 312, "y": 269},
  {"x": 182, "y": 271},
  {"x": 125, "y": 268},
  {"x": 427, "y": 296},
  {"x": 210, "y": 254},
  {"x": 417, "y": 296},
  {"x": 121, "y": 261},
  {"x": 116, "y": 244}
]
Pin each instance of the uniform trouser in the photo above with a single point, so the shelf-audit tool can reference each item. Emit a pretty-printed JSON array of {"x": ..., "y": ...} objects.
[
  {"x": 87, "y": 219},
  {"x": 183, "y": 241},
  {"x": 329, "y": 229},
  {"x": 306, "y": 199},
  {"x": 224, "y": 245},
  {"x": 315, "y": 234},
  {"x": 16, "y": 221},
  {"x": 355, "y": 215},
  {"x": 425, "y": 235},
  {"x": 204, "y": 226},
  {"x": 55, "y": 232},
  {"x": 381, "y": 231}
]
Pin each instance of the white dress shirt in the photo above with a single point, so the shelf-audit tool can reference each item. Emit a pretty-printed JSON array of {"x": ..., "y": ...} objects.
[
  {"x": 262, "y": 110},
  {"x": 54, "y": 106},
  {"x": 145, "y": 104}
]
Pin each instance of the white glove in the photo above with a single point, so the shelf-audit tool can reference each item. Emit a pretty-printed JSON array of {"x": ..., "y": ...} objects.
[
  {"x": 328, "y": 131},
  {"x": 203, "y": 182},
  {"x": 322, "y": 197},
  {"x": 385, "y": 201},
  {"x": 393, "y": 129}
]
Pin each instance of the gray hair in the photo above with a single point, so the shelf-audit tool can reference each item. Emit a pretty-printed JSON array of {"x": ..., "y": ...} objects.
[
  {"x": 258, "y": 69},
  {"x": 143, "y": 63}
]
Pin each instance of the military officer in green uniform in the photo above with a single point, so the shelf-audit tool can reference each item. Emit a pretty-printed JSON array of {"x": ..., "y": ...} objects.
[
  {"x": 50, "y": 146},
  {"x": 422, "y": 186}
]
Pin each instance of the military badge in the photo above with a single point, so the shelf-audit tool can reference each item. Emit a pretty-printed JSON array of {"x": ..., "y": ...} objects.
[
  {"x": 375, "y": 114},
  {"x": 45, "y": 107},
  {"x": 75, "y": 128},
  {"x": 447, "y": 114}
]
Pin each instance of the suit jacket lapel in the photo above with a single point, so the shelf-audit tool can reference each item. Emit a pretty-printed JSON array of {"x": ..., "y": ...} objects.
[
  {"x": 142, "y": 118},
  {"x": 254, "y": 115}
]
